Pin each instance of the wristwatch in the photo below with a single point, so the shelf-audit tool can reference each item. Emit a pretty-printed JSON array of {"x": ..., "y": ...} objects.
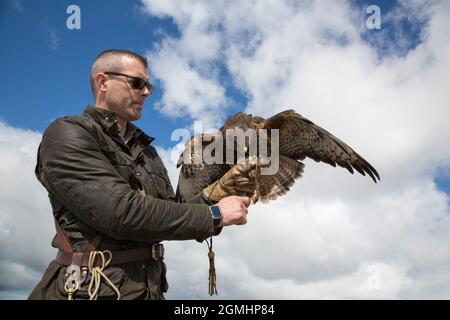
[{"x": 216, "y": 215}]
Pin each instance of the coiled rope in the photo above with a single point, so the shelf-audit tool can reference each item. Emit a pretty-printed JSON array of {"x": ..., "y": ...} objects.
[{"x": 97, "y": 274}]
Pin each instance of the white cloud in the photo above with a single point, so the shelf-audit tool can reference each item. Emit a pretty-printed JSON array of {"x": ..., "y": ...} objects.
[
  {"x": 191, "y": 84},
  {"x": 186, "y": 89},
  {"x": 26, "y": 221},
  {"x": 329, "y": 234}
]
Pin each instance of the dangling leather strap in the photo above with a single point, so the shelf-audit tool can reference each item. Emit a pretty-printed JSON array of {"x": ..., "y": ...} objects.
[
  {"x": 94, "y": 243},
  {"x": 65, "y": 243},
  {"x": 212, "y": 280}
]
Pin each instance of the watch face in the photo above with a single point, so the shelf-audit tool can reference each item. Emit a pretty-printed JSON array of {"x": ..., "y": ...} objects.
[{"x": 217, "y": 214}]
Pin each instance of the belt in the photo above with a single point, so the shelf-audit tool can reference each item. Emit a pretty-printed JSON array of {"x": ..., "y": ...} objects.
[{"x": 155, "y": 252}]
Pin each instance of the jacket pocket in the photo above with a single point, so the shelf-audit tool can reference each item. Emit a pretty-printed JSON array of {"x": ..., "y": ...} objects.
[{"x": 161, "y": 184}]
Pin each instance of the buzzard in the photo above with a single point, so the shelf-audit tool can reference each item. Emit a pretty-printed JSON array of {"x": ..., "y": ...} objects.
[{"x": 297, "y": 138}]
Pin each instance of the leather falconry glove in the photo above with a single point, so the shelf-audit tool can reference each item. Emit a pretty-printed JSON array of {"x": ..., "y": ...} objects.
[{"x": 238, "y": 181}]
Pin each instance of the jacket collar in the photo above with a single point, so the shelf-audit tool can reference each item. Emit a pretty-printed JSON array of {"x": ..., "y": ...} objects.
[
  {"x": 107, "y": 119},
  {"x": 134, "y": 133}
]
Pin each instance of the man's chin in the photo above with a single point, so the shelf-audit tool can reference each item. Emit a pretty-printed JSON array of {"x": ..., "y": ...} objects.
[
  {"x": 135, "y": 117},
  {"x": 136, "y": 113}
]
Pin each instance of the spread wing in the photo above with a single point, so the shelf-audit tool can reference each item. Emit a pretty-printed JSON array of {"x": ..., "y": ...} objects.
[{"x": 300, "y": 138}]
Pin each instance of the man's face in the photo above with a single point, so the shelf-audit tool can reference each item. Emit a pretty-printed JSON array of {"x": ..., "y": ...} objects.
[{"x": 121, "y": 97}]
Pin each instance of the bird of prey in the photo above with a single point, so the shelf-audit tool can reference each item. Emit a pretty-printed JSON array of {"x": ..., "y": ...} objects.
[{"x": 298, "y": 138}]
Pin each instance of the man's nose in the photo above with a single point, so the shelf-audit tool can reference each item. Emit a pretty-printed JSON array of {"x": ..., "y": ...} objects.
[{"x": 145, "y": 92}]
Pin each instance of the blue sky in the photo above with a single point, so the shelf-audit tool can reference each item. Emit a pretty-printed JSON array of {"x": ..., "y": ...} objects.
[
  {"x": 50, "y": 79},
  {"x": 48, "y": 64},
  {"x": 384, "y": 92}
]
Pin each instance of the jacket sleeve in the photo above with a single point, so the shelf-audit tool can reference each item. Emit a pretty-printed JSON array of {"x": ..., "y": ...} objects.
[
  {"x": 199, "y": 198},
  {"x": 72, "y": 167}
]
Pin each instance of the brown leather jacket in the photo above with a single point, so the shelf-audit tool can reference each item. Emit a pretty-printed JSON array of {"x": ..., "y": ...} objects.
[{"x": 97, "y": 183}]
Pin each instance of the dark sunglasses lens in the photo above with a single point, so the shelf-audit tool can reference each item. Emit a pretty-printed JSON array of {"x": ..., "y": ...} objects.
[{"x": 138, "y": 83}]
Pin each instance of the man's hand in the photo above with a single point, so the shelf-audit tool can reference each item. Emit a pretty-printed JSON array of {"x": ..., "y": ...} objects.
[{"x": 234, "y": 210}]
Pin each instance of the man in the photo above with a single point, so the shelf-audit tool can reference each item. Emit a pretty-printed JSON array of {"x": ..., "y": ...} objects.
[{"x": 111, "y": 197}]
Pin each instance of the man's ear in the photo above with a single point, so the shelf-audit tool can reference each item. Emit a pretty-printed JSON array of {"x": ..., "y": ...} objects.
[{"x": 100, "y": 81}]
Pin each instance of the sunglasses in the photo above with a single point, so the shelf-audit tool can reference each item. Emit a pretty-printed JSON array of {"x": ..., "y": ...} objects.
[{"x": 137, "y": 83}]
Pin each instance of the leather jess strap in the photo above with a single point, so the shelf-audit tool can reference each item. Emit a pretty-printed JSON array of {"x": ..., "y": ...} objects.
[{"x": 155, "y": 252}]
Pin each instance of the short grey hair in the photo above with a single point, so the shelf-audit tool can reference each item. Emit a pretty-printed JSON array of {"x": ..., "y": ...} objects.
[{"x": 111, "y": 60}]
